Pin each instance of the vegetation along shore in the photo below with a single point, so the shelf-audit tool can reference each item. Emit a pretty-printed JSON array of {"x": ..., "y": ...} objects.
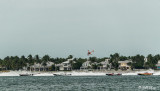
[{"x": 113, "y": 62}]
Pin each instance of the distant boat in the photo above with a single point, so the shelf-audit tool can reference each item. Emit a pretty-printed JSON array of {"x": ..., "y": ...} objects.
[
  {"x": 114, "y": 74},
  {"x": 62, "y": 74},
  {"x": 145, "y": 74},
  {"x": 26, "y": 74}
]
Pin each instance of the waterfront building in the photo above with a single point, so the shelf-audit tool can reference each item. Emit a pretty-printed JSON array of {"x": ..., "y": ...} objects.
[
  {"x": 41, "y": 67},
  {"x": 67, "y": 65},
  {"x": 105, "y": 64},
  {"x": 145, "y": 60},
  {"x": 124, "y": 64},
  {"x": 158, "y": 65},
  {"x": 2, "y": 68},
  {"x": 86, "y": 65}
]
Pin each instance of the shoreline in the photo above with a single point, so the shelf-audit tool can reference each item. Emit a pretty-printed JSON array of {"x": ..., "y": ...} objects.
[{"x": 78, "y": 73}]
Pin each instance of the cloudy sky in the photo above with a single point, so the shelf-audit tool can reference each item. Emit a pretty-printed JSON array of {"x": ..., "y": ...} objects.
[{"x": 63, "y": 27}]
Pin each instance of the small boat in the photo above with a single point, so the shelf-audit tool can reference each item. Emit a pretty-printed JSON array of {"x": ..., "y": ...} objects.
[
  {"x": 26, "y": 74},
  {"x": 62, "y": 74},
  {"x": 118, "y": 74},
  {"x": 113, "y": 74},
  {"x": 57, "y": 75},
  {"x": 110, "y": 74},
  {"x": 145, "y": 74}
]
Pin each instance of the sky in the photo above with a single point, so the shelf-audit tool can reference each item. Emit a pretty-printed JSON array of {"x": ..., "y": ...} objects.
[{"x": 72, "y": 27}]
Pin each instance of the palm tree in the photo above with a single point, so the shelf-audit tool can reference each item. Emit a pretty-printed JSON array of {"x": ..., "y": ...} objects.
[
  {"x": 3, "y": 64},
  {"x": 71, "y": 62},
  {"x": 38, "y": 60},
  {"x": 45, "y": 59},
  {"x": 7, "y": 62},
  {"x": 114, "y": 60},
  {"x": 70, "y": 57},
  {"x": 30, "y": 61},
  {"x": 23, "y": 61}
]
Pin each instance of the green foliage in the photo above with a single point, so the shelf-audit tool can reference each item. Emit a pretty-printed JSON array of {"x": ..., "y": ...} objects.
[
  {"x": 101, "y": 59},
  {"x": 122, "y": 58},
  {"x": 114, "y": 60},
  {"x": 152, "y": 61},
  {"x": 94, "y": 66},
  {"x": 70, "y": 57},
  {"x": 17, "y": 63},
  {"x": 93, "y": 59},
  {"x": 138, "y": 61},
  {"x": 45, "y": 59},
  {"x": 78, "y": 63},
  {"x": 58, "y": 60},
  {"x": 52, "y": 68}
]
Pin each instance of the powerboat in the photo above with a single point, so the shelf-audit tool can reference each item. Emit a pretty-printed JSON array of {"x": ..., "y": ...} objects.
[
  {"x": 26, "y": 74},
  {"x": 145, "y": 74},
  {"x": 113, "y": 74},
  {"x": 62, "y": 74}
]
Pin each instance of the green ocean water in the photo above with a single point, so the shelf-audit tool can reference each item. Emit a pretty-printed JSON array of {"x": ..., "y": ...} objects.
[{"x": 79, "y": 83}]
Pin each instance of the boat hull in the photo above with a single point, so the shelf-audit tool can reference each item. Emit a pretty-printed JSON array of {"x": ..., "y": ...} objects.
[
  {"x": 62, "y": 74},
  {"x": 25, "y": 74},
  {"x": 113, "y": 74},
  {"x": 145, "y": 74}
]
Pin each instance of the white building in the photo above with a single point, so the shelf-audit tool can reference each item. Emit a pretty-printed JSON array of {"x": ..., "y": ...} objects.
[
  {"x": 158, "y": 65},
  {"x": 145, "y": 60},
  {"x": 105, "y": 64},
  {"x": 65, "y": 65},
  {"x": 86, "y": 65},
  {"x": 40, "y": 67}
]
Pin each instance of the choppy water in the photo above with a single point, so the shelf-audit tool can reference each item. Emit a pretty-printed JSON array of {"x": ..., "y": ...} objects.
[{"x": 86, "y": 83}]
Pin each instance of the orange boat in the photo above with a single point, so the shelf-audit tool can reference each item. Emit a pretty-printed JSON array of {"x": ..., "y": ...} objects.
[{"x": 145, "y": 74}]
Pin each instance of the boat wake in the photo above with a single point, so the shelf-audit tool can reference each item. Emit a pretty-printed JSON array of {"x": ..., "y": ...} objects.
[{"x": 73, "y": 73}]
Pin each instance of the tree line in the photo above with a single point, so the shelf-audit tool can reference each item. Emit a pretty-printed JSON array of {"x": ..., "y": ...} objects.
[{"x": 17, "y": 63}]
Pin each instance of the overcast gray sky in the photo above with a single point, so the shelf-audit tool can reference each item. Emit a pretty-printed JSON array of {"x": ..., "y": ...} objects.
[{"x": 63, "y": 27}]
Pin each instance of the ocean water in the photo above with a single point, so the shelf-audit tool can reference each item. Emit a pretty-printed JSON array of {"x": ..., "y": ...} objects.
[{"x": 80, "y": 83}]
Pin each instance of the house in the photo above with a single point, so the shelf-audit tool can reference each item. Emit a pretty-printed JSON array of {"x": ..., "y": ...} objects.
[
  {"x": 65, "y": 65},
  {"x": 158, "y": 65},
  {"x": 40, "y": 67},
  {"x": 86, "y": 65},
  {"x": 2, "y": 68},
  {"x": 105, "y": 64},
  {"x": 145, "y": 60},
  {"x": 124, "y": 64},
  {"x": 94, "y": 63}
]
